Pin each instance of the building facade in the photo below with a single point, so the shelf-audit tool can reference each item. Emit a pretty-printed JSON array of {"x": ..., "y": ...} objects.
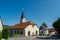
[{"x": 24, "y": 28}]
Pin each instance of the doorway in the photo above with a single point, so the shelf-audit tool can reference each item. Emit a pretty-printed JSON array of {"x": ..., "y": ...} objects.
[
  {"x": 36, "y": 32},
  {"x": 28, "y": 33}
]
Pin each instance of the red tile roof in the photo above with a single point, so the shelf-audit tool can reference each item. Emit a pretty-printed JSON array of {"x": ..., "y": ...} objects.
[
  {"x": 22, "y": 25},
  {"x": 51, "y": 30}
]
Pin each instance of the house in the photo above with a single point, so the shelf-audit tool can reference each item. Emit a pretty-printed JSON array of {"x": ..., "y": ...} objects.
[
  {"x": 1, "y": 26},
  {"x": 48, "y": 31},
  {"x": 52, "y": 31},
  {"x": 44, "y": 32},
  {"x": 24, "y": 28}
]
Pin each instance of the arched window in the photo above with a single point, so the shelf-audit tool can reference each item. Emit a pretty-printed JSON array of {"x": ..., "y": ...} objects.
[
  {"x": 21, "y": 32},
  {"x": 17, "y": 31},
  {"x": 11, "y": 31},
  {"x": 36, "y": 32}
]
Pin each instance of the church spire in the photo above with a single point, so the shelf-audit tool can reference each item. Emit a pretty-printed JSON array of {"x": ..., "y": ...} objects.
[{"x": 23, "y": 17}]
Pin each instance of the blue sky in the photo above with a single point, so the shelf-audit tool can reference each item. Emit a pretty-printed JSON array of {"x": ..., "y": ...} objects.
[{"x": 37, "y": 11}]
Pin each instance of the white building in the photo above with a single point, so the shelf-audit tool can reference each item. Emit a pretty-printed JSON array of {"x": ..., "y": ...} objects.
[
  {"x": 25, "y": 28},
  {"x": 44, "y": 31},
  {"x": 1, "y": 26}
]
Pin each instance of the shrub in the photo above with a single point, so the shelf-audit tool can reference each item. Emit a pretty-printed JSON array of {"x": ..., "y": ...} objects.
[
  {"x": 0, "y": 35},
  {"x": 5, "y": 33}
]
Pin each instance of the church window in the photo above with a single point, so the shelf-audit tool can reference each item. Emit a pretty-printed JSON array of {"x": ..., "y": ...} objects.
[
  {"x": 36, "y": 32},
  {"x": 17, "y": 31},
  {"x": 21, "y": 32},
  {"x": 11, "y": 32}
]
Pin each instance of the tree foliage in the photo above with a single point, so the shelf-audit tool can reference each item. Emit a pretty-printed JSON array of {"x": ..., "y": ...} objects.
[
  {"x": 41, "y": 27},
  {"x": 56, "y": 25},
  {"x": 5, "y": 33},
  {"x": 44, "y": 24}
]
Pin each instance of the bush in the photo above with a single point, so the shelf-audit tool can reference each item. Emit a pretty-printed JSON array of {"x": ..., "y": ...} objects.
[
  {"x": 5, "y": 33},
  {"x": 0, "y": 35}
]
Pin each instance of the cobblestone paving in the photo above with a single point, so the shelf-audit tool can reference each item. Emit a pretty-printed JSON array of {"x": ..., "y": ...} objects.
[{"x": 29, "y": 38}]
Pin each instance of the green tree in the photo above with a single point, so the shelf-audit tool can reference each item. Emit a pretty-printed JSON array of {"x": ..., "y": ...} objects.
[
  {"x": 41, "y": 27},
  {"x": 56, "y": 25},
  {"x": 5, "y": 33},
  {"x": 44, "y": 25}
]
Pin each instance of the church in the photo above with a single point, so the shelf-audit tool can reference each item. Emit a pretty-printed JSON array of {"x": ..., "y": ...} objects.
[{"x": 26, "y": 28}]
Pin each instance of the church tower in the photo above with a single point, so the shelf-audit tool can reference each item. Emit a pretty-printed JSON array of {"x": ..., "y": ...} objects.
[
  {"x": 23, "y": 20},
  {"x": 1, "y": 26}
]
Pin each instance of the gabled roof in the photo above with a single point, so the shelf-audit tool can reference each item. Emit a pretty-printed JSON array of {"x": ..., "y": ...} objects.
[{"x": 22, "y": 25}]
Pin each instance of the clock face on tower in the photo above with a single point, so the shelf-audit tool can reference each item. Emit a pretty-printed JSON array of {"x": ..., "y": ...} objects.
[{"x": 23, "y": 20}]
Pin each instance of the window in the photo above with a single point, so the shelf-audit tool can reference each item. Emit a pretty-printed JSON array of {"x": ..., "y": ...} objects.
[
  {"x": 36, "y": 32},
  {"x": 21, "y": 32},
  {"x": 11, "y": 31},
  {"x": 17, "y": 31}
]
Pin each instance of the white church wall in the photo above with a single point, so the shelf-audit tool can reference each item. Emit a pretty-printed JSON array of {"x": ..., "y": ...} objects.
[
  {"x": 36, "y": 27},
  {"x": 32, "y": 30}
]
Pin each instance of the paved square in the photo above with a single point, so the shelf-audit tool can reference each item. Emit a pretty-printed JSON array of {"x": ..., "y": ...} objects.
[{"x": 28, "y": 38}]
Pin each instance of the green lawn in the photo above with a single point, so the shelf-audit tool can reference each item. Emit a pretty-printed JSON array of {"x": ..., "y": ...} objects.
[{"x": 17, "y": 35}]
